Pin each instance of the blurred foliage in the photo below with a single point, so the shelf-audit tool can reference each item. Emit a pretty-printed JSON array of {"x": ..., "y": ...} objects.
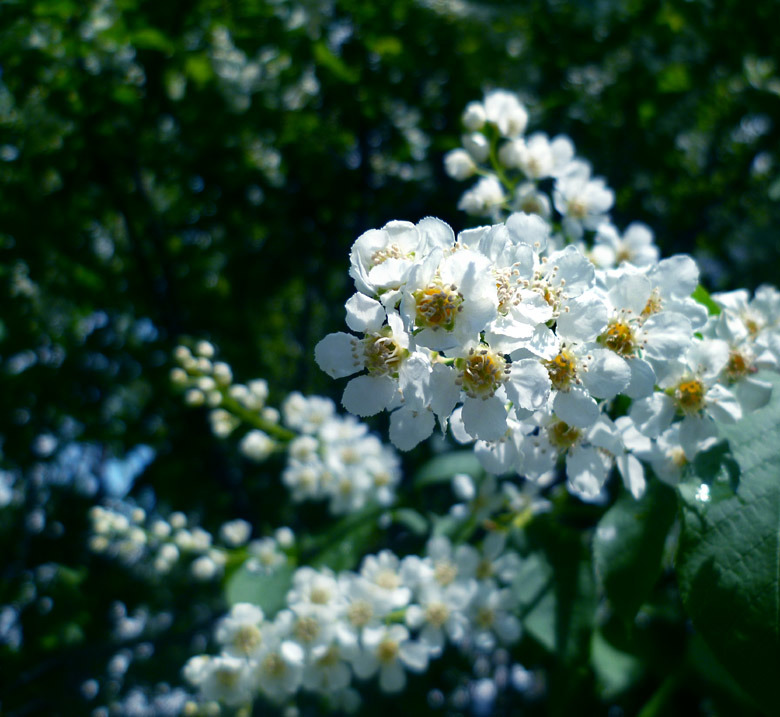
[{"x": 199, "y": 169}]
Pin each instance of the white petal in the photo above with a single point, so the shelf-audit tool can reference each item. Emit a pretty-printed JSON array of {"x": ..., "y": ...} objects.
[
  {"x": 585, "y": 319},
  {"x": 339, "y": 355},
  {"x": 753, "y": 393},
  {"x": 444, "y": 392},
  {"x": 722, "y": 405},
  {"x": 414, "y": 656},
  {"x": 366, "y": 665},
  {"x": 697, "y": 433},
  {"x": 368, "y": 395},
  {"x": 652, "y": 415},
  {"x": 676, "y": 276},
  {"x": 576, "y": 407},
  {"x": 485, "y": 419},
  {"x": 608, "y": 374},
  {"x": 633, "y": 474},
  {"x": 529, "y": 384},
  {"x": 631, "y": 291},
  {"x": 459, "y": 432},
  {"x": 642, "y": 379},
  {"x": 586, "y": 472},
  {"x": 408, "y": 427},
  {"x": 392, "y": 678},
  {"x": 364, "y": 313},
  {"x": 414, "y": 381},
  {"x": 668, "y": 335}
]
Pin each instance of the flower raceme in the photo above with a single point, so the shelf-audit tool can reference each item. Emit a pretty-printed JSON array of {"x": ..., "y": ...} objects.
[{"x": 520, "y": 335}]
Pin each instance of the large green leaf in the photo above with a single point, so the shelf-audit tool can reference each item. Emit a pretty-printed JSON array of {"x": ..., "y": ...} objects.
[
  {"x": 729, "y": 559},
  {"x": 561, "y": 617},
  {"x": 266, "y": 589},
  {"x": 628, "y": 546}
]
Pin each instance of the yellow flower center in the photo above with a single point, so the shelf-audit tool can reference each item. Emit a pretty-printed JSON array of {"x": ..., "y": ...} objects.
[
  {"x": 445, "y": 572},
  {"x": 388, "y": 580},
  {"x": 320, "y": 596},
  {"x": 359, "y": 613},
  {"x": 387, "y": 650},
  {"x": 437, "y": 306},
  {"x": 562, "y": 370},
  {"x": 483, "y": 373},
  {"x": 738, "y": 366},
  {"x": 619, "y": 337},
  {"x": 562, "y": 435},
  {"x": 247, "y": 638},
  {"x": 690, "y": 396},
  {"x": 485, "y": 617},
  {"x": 274, "y": 666},
  {"x": 307, "y": 629},
  {"x": 382, "y": 354},
  {"x": 437, "y": 613}
]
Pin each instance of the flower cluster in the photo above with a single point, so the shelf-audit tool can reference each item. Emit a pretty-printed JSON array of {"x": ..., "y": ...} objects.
[
  {"x": 328, "y": 456},
  {"x": 517, "y": 170},
  {"x": 392, "y": 616},
  {"x": 522, "y": 342},
  {"x": 159, "y": 544}
]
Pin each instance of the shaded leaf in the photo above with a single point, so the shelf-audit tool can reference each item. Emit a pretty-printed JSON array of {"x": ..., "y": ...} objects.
[
  {"x": 729, "y": 560},
  {"x": 628, "y": 546}
]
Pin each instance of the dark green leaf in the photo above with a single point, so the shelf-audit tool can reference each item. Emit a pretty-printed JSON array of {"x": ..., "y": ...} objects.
[
  {"x": 615, "y": 670},
  {"x": 729, "y": 560},
  {"x": 628, "y": 546}
]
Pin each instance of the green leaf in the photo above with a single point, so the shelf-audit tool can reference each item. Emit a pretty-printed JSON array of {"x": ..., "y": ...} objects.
[
  {"x": 628, "y": 546},
  {"x": 701, "y": 295},
  {"x": 150, "y": 38},
  {"x": 562, "y": 618},
  {"x": 326, "y": 59},
  {"x": 616, "y": 671},
  {"x": 267, "y": 590},
  {"x": 411, "y": 519},
  {"x": 442, "y": 468},
  {"x": 729, "y": 559}
]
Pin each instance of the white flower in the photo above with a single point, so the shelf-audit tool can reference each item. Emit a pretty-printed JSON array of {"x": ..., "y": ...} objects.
[
  {"x": 539, "y": 158},
  {"x": 257, "y": 445},
  {"x": 476, "y": 146},
  {"x": 459, "y": 165},
  {"x": 318, "y": 588},
  {"x": 224, "y": 678},
  {"x": 504, "y": 110},
  {"x": 439, "y": 613},
  {"x": 235, "y": 532},
  {"x": 485, "y": 198},
  {"x": 383, "y": 572},
  {"x": 388, "y": 650},
  {"x": 490, "y": 616},
  {"x": 449, "y": 299},
  {"x": 381, "y": 351},
  {"x": 381, "y": 258},
  {"x": 582, "y": 201},
  {"x": 280, "y": 660},
  {"x": 474, "y": 116},
  {"x": 265, "y": 555},
  {"x": 635, "y": 246},
  {"x": 691, "y": 391},
  {"x": 307, "y": 415},
  {"x": 240, "y": 632}
]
